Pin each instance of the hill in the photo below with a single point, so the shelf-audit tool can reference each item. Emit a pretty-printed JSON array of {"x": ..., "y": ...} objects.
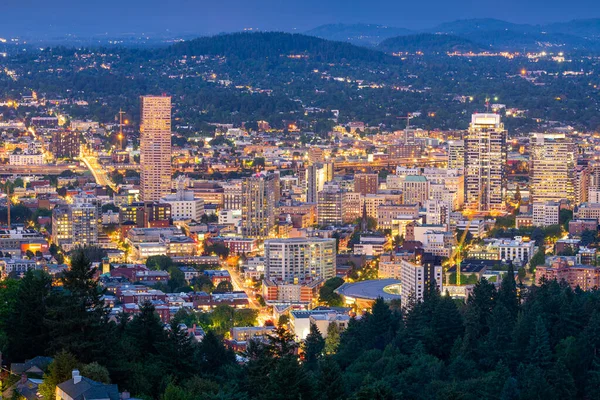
[
  {"x": 428, "y": 43},
  {"x": 530, "y": 41},
  {"x": 360, "y": 34},
  {"x": 466, "y": 26},
  {"x": 260, "y": 45},
  {"x": 587, "y": 28}
]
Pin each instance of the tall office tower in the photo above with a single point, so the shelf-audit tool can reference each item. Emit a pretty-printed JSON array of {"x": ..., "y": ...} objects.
[
  {"x": 155, "y": 147},
  {"x": 485, "y": 163},
  {"x": 232, "y": 195},
  {"x": 552, "y": 167},
  {"x": 456, "y": 154},
  {"x": 258, "y": 206},
  {"x": 299, "y": 260},
  {"x": 352, "y": 206},
  {"x": 316, "y": 176},
  {"x": 330, "y": 205},
  {"x": 418, "y": 276},
  {"x": 366, "y": 183}
]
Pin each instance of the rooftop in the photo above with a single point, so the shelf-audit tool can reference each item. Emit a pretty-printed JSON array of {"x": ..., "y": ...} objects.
[{"x": 370, "y": 290}]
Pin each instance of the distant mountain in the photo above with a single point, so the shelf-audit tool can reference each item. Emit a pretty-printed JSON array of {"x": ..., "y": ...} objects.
[
  {"x": 428, "y": 43},
  {"x": 587, "y": 28},
  {"x": 360, "y": 34},
  {"x": 466, "y": 26},
  {"x": 530, "y": 41},
  {"x": 274, "y": 45}
]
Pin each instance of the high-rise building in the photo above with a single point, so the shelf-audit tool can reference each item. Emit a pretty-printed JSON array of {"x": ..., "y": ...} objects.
[
  {"x": 485, "y": 163},
  {"x": 258, "y": 206},
  {"x": 299, "y": 260},
  {"x": 65, "y": 144},
  {"x": 232, "y": 195},
  {"x": 155, "y": 147},
  {"x": 418, "y": 276},
  {"x": 456, "y": 154},
  {"x": 316, "y": 176},
  {"x": 330, "y": 205},
  {"x": 75, "y": 224},
  {"x": 552, "y": 167},
  {"x": 366, "y": 183}
]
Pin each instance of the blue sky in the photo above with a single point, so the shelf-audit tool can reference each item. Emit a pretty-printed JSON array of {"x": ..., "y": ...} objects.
[{"x": 205, "y": 17}]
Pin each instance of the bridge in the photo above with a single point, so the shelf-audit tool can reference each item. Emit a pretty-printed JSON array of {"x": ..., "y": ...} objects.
[{"x": 45, "y": 169}]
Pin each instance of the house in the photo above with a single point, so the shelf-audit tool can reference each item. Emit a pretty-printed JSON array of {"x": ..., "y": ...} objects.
[
  {"x": 36, "y": 365},
  {"x": 82, "y": 388},
  {"x": 26, "y": 388}
]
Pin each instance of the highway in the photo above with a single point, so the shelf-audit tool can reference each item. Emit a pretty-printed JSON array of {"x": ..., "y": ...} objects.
[{"x": 98, "y": 172}]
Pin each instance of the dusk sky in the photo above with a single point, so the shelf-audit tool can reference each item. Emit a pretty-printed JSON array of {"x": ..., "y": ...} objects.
[{"x": 206, "y": 17}]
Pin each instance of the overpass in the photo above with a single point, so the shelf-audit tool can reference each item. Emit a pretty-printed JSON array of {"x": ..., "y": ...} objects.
[{"x": 45, "y": 169}]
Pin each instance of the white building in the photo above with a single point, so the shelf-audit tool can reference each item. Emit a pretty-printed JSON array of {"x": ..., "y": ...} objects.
[
  {"x": 370, "y": 245},
  {"x": 300, "y": 260},
  {"x": 415, "y": 278},
  {"x": 26, "y": 159},
  {"x": 546, "y": 214},
  {"x": 230, "y": 217},
  {"x": 184, "y": 205},
  {"x": 517, "y": 250}
]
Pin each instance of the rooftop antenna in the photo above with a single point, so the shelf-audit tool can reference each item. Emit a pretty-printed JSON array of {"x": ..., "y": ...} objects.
[{"x": 487, "y": 104}]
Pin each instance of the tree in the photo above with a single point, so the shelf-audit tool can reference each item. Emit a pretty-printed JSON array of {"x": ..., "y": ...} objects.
[
  {"x": 588, "y": 237},
  {"x": 332, "y": 341},
  {"x": 313, "y": 346},
  {"x": 96, "y": 372},
  {"x": 539, "y": 258},
  {"x": 59, "y": 371},
  {"x": 77, "y": 317},
  {"x": 281, "y": 343},
  {"x": 224, "y": 287},
  {"x": 159, "y": 263},
  {"x": 28, "y": 336},
  {"x": 327, "y": 294}
]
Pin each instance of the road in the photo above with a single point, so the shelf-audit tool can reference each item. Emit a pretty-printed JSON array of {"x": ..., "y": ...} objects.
[
  {"x": 98, "y": 172},
  {"x": 238, "y": 284}
]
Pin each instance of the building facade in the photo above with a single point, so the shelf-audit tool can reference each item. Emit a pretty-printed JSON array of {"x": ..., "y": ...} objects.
[{"x": 155, "y": 147}]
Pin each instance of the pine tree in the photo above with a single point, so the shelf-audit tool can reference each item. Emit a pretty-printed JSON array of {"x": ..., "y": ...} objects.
[
  {"x": 332, "y": 341},
  {"x": 145, "y": 334},
  {"x": 77, "y": 317},
  {"x": 59, "y": 371},
  {"x": 507, "y": 295},
  {"x": 288, "y": 381},
  {"x": 540, "y": 352},
  {"x": 27, "y": 334},
  {"x": 313, "y": 346},
  {"x": 281, "y": 342},
  {"x": 331, "y": 381}
]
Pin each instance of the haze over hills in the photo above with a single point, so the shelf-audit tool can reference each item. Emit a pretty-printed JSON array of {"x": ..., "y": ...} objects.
[{"x": 492, "y": 34}]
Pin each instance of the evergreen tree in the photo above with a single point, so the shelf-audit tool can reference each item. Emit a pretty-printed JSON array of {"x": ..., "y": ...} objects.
[
  {"x": 313, "y": 346},
  {"x": 27, "y": 335},
  {"x": 281, "y": 342},
  {"x": 77, "y": 317},
  {"x": 288, "y": 381},
  {"x": 507, "y": 295},
  {"x": 331, "y": 381},
  {"x": 59, "y": 371},
  {"x": 332, "y": 341},
  {"x": 539, "y": 347}
]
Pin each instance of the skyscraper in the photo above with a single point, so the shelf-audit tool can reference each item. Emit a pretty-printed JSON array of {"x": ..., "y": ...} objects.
[
  {"x": 258, "y": 206},
  {"x": 155, "y": 147},
  {"x": 316, "y": 176},
  {"x": 299, "y": 260},
  {"x": 552, "y": 167},
  {"x": 330, "y": 205},
  {"x": 456, "y": 154},
  {"x": 485, "y": 163}
]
